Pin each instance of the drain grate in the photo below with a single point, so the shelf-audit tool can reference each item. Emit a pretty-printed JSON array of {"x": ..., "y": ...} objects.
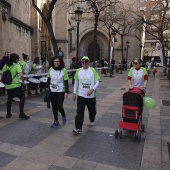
[
  {"x": 169, "y": 149},
  {"x": 165, "y": 103},
  {"x": 122, "y": 88}
]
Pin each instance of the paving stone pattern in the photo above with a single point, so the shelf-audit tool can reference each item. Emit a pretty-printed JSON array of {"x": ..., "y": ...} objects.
[
  {"x": 48, "y": 114},
  {"x": 7, "y": 158},
  {"x": 102, "y": 148},
  {"x": 53, "y": 167},
  {"x": 165, "y": 128},
  {"x": 15, "y": 106},
  {"x": 165, "y": 111},
  {"x": 110, "y": 120},
  {"x": 25, "y": 133},
  {"x": 96, "y": 147}
]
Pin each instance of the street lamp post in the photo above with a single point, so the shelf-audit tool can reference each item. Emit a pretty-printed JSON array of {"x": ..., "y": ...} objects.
[
  {"x": 144, "y": 57},
  {"x": 78, "y": 16},
  {"x": 127, "y": 47},
  {"x": 140, "y": 47}
]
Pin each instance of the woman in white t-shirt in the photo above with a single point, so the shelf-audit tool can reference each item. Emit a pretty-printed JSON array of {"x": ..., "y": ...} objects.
[
  {"x": 57, "y": 83},
  {"x": 137, "y": 76}
]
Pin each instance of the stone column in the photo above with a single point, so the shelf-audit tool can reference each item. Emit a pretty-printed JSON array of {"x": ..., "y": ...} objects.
[
  {"x": 1, "y": 41},
  {"x": 34, "y": 37}
]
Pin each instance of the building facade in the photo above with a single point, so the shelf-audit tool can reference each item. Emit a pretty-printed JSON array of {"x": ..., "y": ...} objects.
[
  {"x": 152, "y": 10},
  {"x": 23, "y": 31}
]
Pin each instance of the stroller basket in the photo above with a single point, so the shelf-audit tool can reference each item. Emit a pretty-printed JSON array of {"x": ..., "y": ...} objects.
[
  {"x": 132, "y": 99},
  {"x": 130, "y": 112}
]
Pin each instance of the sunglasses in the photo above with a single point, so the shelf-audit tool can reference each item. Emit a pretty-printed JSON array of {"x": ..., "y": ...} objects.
[
  {"x": 85, "y": 61},
  {"x": 135, "y": 63}
]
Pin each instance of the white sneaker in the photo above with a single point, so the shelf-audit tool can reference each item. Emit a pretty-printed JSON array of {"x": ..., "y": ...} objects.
[
  {"x": 76, "y": 131},
  {"x": 92, "y": 124}
]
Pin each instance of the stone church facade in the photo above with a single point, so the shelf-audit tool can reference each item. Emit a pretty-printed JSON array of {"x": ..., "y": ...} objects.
[{"x": 23, "y": 31}]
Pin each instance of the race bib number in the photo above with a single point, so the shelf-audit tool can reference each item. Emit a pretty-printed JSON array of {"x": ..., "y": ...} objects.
[
  {"x": 86, "y": 86},
  {"x": 54, "y": 86}
]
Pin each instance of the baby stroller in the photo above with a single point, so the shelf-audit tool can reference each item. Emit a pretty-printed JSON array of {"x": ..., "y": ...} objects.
[{"x": 132, "y": 113}]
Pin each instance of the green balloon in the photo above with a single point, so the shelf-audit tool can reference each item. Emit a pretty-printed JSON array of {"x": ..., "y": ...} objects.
[{"x": 149, "y": 103}]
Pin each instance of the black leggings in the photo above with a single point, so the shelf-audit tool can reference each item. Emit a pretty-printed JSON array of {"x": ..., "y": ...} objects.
[
  {"x": 57, "y": 99},
  {"x": 18, "y": 93}
]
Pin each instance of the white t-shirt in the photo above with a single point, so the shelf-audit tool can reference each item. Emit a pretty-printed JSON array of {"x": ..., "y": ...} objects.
[
  {"x": 149, "y": 66},
  {"x": 26, "y": 69},
  {"x": 38, "y": 71},
  {"x": 86, "y": 80},
  {"x": 137, "y": 76},
  {"x": 57, "y": 79}
]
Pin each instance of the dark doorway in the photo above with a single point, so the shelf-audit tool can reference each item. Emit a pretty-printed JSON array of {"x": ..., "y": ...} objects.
[
  {"x": 43, "y": 53},
  {"x": 93, "y": 51}
]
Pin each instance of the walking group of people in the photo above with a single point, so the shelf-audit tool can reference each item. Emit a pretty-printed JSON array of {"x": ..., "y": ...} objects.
[{"x": 86, "y": 81}]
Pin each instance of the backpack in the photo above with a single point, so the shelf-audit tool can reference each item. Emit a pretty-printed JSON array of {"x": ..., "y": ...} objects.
[{"x": 7, "y": 77}]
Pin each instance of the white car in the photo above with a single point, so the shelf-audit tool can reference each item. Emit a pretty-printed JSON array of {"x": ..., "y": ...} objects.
[{"x": 159, "y": 64}]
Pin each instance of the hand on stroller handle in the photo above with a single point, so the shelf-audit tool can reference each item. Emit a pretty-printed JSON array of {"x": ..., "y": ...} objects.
[{"x": 138, "y": 88}]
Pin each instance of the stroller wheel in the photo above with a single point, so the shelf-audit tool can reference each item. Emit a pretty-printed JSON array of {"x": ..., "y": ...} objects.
[
  {"x": 143, "y": 128},
  {"x": 120, "y": 135},
  {"x": 137, "y": 136},
  {"x": 116, "y": 133}
]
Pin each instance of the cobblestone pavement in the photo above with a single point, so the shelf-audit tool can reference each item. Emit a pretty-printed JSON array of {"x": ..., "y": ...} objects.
[{"x": 34, "y": 145}]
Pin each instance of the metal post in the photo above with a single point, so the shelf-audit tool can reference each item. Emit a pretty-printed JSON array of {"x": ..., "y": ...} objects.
[
  {"x": 127, "y": 53},
  {"x": 77, "y": 55}
]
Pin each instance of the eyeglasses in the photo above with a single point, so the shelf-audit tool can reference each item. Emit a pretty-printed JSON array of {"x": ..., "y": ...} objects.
[
  {"x": 86, "y": 61},
  {"x": 135, "y": 63}
]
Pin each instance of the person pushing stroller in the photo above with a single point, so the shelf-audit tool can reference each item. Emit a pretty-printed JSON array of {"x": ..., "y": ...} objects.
[
  {"x": 137, "y": 76},
  {"x": 133, "y": 101}
]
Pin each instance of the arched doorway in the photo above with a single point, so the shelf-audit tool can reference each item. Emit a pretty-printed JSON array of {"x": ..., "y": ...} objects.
[
  {"x": 44, "y": 35},
  {"x": 94, "y": 51}
]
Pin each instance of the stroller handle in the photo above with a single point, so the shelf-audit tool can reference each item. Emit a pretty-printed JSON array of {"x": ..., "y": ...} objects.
[{"x": 137, "y": 90}]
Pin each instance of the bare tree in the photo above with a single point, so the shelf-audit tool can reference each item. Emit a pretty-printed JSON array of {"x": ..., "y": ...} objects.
[
  {"x": 95, "y": 7},
  {"x": 46, "y": 17},
  {"x": 121, "y": 20},
  {"x": 155, "y": 19}
]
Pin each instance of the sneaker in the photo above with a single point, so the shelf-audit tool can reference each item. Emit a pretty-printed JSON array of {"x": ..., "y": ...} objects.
[
  {"x": 8, "y": 115},
  {"x": 36, "y": 93},
  {"x": 92, "y": 123},
  {"x": 64, "y": 120},
  {"x": 76, "y": 131},
  {"x": 24, "y": 117},
  {"x": 55, "y": 124}
]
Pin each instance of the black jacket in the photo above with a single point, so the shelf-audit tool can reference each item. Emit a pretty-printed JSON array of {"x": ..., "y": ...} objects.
[{"x": 47, "y": 97}]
